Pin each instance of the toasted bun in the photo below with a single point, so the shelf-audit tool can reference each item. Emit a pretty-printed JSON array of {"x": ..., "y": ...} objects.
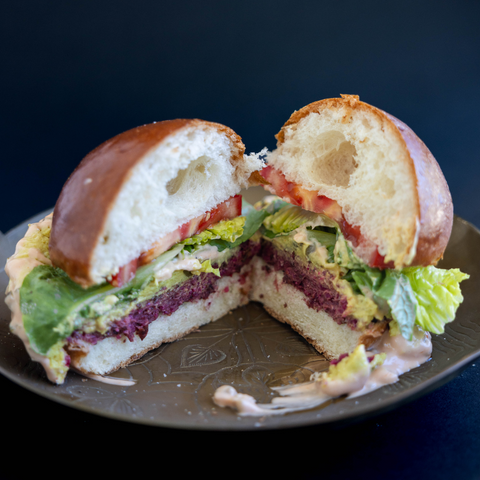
[
  {"x": 381, "y": 174},
  {"x": 139, "y": 186}
]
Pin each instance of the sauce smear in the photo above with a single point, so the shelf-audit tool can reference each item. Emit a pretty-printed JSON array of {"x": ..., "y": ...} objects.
[{"x": 401, "y": 356}]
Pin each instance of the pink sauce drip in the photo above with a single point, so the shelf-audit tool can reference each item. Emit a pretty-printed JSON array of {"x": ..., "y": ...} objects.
[{"x": 401, "y": 356}]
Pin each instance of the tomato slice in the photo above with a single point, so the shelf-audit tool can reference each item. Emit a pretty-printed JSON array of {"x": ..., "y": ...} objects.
[
  {"x": 378, "y": 261},
  {"x": 125, "y": 274},
  {"x": 301, "y": 197},
  {"x": 309, "y": 200},
  {"x": 226, "y": 210}
]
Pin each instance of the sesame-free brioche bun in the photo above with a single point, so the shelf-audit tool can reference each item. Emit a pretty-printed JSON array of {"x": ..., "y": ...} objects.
[
  {"x": 139, "y": 186},
  {"x": 383, "y": 177}
]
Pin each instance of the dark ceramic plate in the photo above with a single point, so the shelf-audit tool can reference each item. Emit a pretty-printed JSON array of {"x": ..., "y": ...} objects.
[{"x": 250, "y": 350}]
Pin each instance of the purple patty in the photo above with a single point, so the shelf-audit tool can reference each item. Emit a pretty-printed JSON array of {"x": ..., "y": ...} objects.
[
  {"x": 316, "y": 284},
  {"x": 167, "y": 301}
]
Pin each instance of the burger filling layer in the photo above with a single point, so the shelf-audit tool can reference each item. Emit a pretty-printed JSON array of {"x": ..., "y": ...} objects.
[
  {"x": 316, "y": 258},
  {"x": 182, "y": 287},
  {"x": 56, "y": 311}
]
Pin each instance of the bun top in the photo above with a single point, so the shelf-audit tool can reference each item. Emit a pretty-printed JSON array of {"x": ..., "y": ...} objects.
[
  {"x": 386, "y": 182},
  {"x": 139, "y": 186}
]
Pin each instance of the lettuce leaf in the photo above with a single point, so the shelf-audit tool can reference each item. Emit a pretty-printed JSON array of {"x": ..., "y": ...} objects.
[
  {"x": 438, "y": 295},
  {"x": 344, "y": 255},
  {"x": 226, "y": 230},
  {"x": 398, "y": 293},
  {"x": 51, "y": 302},
  {"x": 206, "y": 267},
  {"x": 392, "y": 292},
  {"x": 253, "y": 220},
  {"x": 47, "y": 297},
  {"x": 425, "y": 296},
  {"x": 287, "y": 219}
]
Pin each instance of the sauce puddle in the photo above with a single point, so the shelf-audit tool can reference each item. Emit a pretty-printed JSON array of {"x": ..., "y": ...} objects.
[{"x": 401, "y": 356}]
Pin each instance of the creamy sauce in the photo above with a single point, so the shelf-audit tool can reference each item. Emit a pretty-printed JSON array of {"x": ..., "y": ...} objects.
[
  {"x": 208, "y": 252},
  {"x": 301, "y": 236},
  {"x": 122, "y": 382},
  {"x": 187, "y": 262},
  {"x": 166, "y": 272},
  {"x": 320, "y": 254},
  {"x": 401, "y": 356}
]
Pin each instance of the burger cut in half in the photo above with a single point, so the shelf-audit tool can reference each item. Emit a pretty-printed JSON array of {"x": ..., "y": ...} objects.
[
  {"x": 146, "y": 243},
  {"x": 361, "y": 215}
]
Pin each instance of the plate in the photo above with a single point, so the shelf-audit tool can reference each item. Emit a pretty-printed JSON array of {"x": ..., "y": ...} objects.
[{"x": 250, "y": 350}]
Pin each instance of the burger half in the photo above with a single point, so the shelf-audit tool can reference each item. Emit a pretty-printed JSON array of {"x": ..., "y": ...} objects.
[{"x": 146, "y": 243}]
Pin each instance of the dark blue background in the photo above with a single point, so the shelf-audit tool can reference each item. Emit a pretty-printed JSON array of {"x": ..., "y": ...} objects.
[
  {"x": 74, "y": 74},
  {"x": 77, "y": 73}
]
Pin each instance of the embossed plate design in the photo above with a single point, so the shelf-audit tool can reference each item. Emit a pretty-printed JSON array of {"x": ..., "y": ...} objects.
[{"x": 251, "y": 351}]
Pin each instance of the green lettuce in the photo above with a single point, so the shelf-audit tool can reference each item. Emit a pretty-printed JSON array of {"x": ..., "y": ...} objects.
[
  {"x": 51, "y": 302},
  {"x": 287, "y": 219},
  {"x": 226, "y": 230},
  {"x": 344, "y": 255},
  {"x": 206, "y": 267},
  {"x": 425, "y": 296},
  {"x": 437, "y": 294},
  {"x": 253, "y": 221},
  {"x": 397, "y": 292},
  {"x": 47, "y": 300}
]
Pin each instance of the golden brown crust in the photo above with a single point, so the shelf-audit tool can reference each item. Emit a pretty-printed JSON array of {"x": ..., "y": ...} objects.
[
  {"x": 433, "y": 198},
  {"x": 88, "y": 195},
  {"x": 256, "y": 179}
]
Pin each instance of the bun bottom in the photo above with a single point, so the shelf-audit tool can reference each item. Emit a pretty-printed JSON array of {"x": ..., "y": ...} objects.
[
  {"x": 111, "y": 353},
  {"x": 289, "y": 305}
]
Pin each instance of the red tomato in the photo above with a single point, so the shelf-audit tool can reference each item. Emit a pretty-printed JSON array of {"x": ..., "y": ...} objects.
[
  {"x": 309, "y": 200},
  {"x": 301, "y": 197},
  {"x": 125, "y": 274},
  {"x": 378, "y": 261},
  {"x": 350, "y": 232},
  {"x": 226, "y": 210}
]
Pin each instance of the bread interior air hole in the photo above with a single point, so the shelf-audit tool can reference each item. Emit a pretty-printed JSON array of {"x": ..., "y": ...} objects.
[
  {"x": 333, "y": 159},
  {"x": 197, "y": 172}
]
